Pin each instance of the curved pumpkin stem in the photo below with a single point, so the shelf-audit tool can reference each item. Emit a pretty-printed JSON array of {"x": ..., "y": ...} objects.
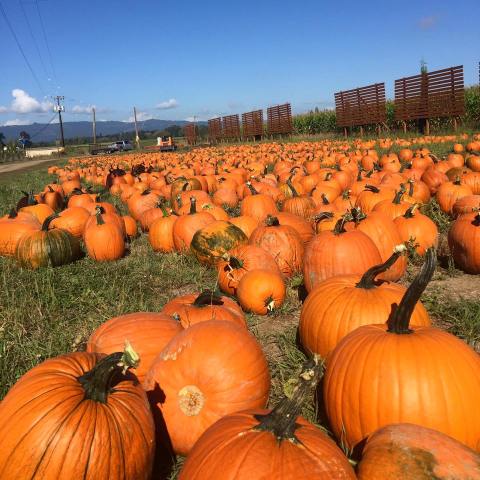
[
  {"x": 372, "y": 188},
  {"x": 291, "y": 187},
  {"x": 207, "y": 297},
  {"x": 47, "y": 221},
  {"x": 235, "y": 263},
  {"x": 399, "y": 321},
  {"x": 252, "y": 189},
  {"x": 98, "y": 382},
  {"x": 13, "y": 213},
  {"x": 398, "y": 196},
  {"x": 410, "y": 211},
  {"x": 368, "y": 279},
  {"x": 281, "y": 421}
]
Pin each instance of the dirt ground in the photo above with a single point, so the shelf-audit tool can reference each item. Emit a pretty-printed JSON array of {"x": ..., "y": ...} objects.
[{"x": 25, "y": 165}]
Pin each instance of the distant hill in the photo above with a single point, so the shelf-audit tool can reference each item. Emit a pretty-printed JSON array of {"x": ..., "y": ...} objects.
[{"x": 42, "y": 132}]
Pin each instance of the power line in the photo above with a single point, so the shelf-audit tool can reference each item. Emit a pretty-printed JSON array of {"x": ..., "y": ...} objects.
[
  {"x": 34, "y": 75},
  {"x": 25, "y": 16},
  {"x": 44, "y": 127},
  {"x": 46, "y": 42}
]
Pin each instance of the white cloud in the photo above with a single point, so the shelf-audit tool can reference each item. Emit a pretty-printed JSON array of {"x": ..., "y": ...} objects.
[
  {"x": 427, "y": 23},
  {"x": 16, "y": 121},
  {"x": 141, "y": 117},
  {"x": 23, "y": 103},
  {"x": 167, "y": 104},
  {"x": 82, "y": 110}
]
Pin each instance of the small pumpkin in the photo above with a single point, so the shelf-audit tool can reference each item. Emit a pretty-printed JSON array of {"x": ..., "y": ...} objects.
[
  {"x": 47, "y": 247},
  {"x": 261, "y": 291}
]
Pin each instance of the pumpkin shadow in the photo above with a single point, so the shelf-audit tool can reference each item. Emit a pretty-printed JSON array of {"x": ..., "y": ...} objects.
[{"x": 164, "y": 455}]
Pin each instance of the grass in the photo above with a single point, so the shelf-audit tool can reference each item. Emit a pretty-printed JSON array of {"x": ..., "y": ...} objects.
[{"x": 52, "y": 311}]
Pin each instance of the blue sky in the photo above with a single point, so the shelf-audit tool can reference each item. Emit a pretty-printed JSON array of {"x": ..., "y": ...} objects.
[{"x": 174, "y": 60}]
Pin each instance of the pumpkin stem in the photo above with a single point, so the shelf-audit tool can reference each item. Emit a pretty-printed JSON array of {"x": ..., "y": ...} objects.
[
  {"x": 411, "y": 182},
  {"x": 398, "y": 196},
  {"x": 327, "y": 177},
  {"x": 399, "y": 321},
  {"x": 252, "y": 188},
  {"x": 369, "y": 173},
  {"x": 281, "y": 421},
  {"x": 98, "y": 382},
  {"x": 47, "y": 221},
  {"x": 457, "y": 180},
  {"x": 291, "y": 187},
  {"x": 98, "y": 214},
  {"x": 368, "y": 279},
  {"x": 410, "y": 211},
  {"x": 346, "y": 194},
  {"x": 322, "y": 216},
  {"x": 164, "y": 209},
  {"x": 340, "y": 225},
  {"x": 372, "y": 188},
  {"x": 13, "y": 213},
  {"x": 272, "y": 221},
  {"x": 207, "y": 297},
  {"x": 146, "y": 192},
  {"x": 235, "y": 263},
  {"x": 193, "y": 205},
  {"x": 325, "y": 199}
]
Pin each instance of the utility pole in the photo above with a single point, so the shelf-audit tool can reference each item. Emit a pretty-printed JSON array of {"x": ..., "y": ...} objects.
[
  {"x": 60, "y": 108},
  {"x": 94, "y": 125},
  {"x": 137, "y": 138}
]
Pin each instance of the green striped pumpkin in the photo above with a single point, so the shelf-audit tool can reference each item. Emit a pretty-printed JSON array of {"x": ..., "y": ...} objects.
[
  {"x": 211, "y": 243},
  {"x": 47, "y": 247}
]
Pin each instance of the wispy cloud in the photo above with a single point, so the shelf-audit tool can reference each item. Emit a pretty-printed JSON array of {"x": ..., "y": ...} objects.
[
  {"x": 16, "y": 121},
  {"x": 87, "y": 109},
  {"x": 23, "y": 103},
  {"x": 167, "y": 104},
  {"x": 141, "y": 117},
  {"x": 427, "y": 23}
]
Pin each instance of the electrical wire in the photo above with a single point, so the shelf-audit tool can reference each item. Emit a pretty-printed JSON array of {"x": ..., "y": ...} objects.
[
  {"x": 32, "y": 71},
  {"x": 29, "y": 25},
  {"x": 44, "y": 127},
  {"x": 46, "y": 42}
]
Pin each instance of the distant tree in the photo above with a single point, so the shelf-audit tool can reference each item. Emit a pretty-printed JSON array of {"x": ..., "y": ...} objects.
[
  {"x": 24, "y": 135},
  {"x": 317, "y": 110},
  {"x": 24, "y": 139},
  {"x": 2, "y": 138},
  {"x": 174, "y": 131}
]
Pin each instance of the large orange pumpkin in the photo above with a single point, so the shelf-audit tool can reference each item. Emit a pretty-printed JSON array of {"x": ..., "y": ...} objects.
[
  {"x": 411, "y": 452},
  {"x": 73, "y": 416},
  {"x": 196, "y": 381},
  {"x": 285, "y": 445},
  {"x": 394, "y": 372}
]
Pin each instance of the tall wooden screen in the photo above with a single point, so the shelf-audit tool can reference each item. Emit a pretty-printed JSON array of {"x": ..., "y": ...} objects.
[
  {"x": 252, "y": 124},
  {"x": 215, "y": 129},
  {"x": 190, "y": 132},
  {"x": 231, "y": 127},
  {"x": 279, "y": 119},
  {"x": 361, "y": 106},
  {"x": 427, "y": 95}
]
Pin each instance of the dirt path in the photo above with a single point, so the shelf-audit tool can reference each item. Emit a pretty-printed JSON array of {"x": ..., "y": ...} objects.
[{"x": 25, "y": 165}]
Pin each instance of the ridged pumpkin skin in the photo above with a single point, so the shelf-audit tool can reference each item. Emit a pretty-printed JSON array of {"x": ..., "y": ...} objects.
[
  {"x": 232, "y": 449},
  {"x": 73, "y": 220},
  {"x": 464, "y": 242},
  {"x": 104, "y": 241},
  {"x": 330, "y": 254},
  {"x": 283, "y": 242},
  {"x": 13, "y": 228},
  {"x": 337, "y": 306},
  {"x": 212, "y": 242},
  {"x": 410, "y": 452},
  {"x": 428, "y": 377},
  {"x": 41, "y": 211},
  {"x": 201, "y": 307},
  {"x": 206, "y": 372},
  {"x": 186, "y": 226},
  {"x": 47, "y": 248},
  {"x": 261, "y": 291},
  {"x": 245, "y": 223},
  {"x": 258, "y": 206},
  {"x": 147, "y": 332},
  {"x": 160, "y": 234},
  {"x": 299, "y": 224},
  {"x": 51, "y": 431},
  {"x": 241, "y": 260}
]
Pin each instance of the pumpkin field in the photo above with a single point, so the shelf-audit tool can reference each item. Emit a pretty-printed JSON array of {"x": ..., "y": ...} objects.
[{"x": 292, "y": 310}]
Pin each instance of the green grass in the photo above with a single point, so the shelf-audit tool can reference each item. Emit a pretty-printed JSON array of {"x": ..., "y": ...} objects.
[{"x": 52, "y": 311}]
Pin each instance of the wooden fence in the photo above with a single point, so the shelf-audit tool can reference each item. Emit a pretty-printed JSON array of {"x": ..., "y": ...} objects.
[
  {"x": 252, "y": 124},
  {"x": 279, "y": 119}
]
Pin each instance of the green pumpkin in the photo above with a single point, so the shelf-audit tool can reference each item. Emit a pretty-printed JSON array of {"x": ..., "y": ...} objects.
[
  {"x": 211, "y": 243},
  {"x": 47, "y": 247}
]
